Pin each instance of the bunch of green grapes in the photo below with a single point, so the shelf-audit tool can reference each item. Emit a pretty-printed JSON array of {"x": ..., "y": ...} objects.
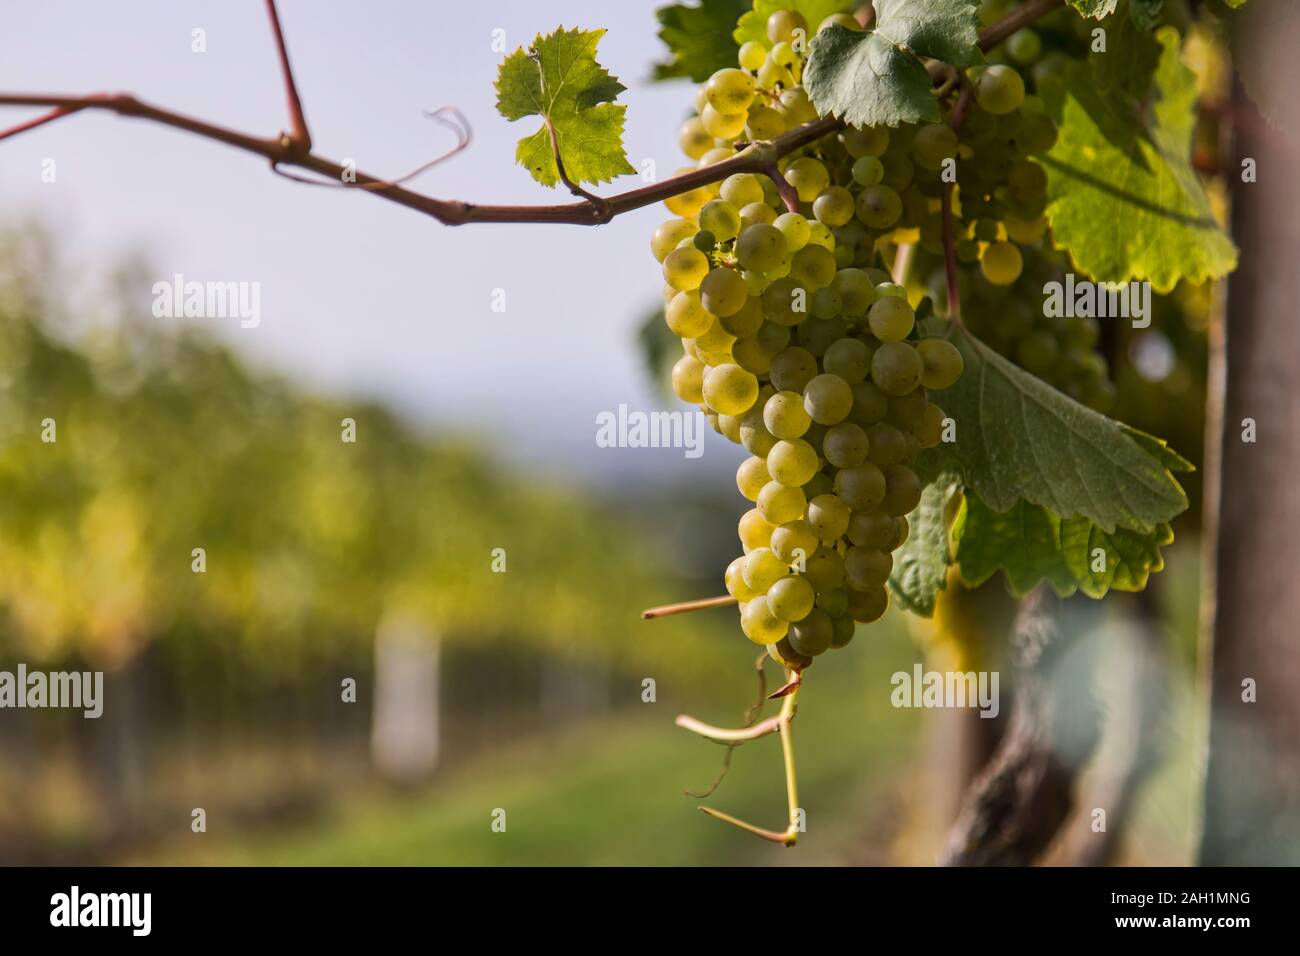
[{"x": 798, "y": 349}]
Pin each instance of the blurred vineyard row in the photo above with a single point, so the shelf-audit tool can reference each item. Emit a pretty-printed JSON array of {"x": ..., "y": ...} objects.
[{"x": 227, "y": 683}]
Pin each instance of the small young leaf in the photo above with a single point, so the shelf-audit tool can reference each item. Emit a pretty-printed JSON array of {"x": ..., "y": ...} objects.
[
  {"x": 921, "y": 564},
  {"x": 699, "y": 38},
  {"x": 1017, "y": 437},
  {"x": 1097, "y": 9},
  {"x": 1124, "y": 200},
  {"x": 877, "y": 78},
  {"x": 559, "y": 79}
]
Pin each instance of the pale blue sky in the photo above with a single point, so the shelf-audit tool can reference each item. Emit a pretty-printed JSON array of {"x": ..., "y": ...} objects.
[{"x": 357, "y": 293}]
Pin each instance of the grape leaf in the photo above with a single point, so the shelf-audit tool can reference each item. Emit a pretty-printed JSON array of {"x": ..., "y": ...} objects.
[
  {"x": 1017, "y": 437},
  {"x": 921, "y": 564},
  {"x": 699, "y": 38},
  {"x": 1097, "y": 9},
  {"x": 1030, "y": 544},
  {"x": 559, "y": 79},
  {"x": 1145, "y": 13},
  {"x": 1124, "y": 200},
  {"x": 753, "y": 25},
  {"x": 876, "y": 78},
  {"x": 1128, "y": 63}
]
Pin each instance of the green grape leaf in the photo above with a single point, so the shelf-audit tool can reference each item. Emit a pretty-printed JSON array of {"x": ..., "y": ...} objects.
[
  {"x": 1017, "y": 437},
  {"x": 1030, "y": 544},
  {"x": 1097, "y": 9},
  {"x": 876, "y": 78},
  {"x": 1145, "y": 13},
  {"x": 559, "y": 79},
  {"x": 1124, "y": 199},
  {"x": 699, "y": 38},
  {"x": 1129, "y": 62},
  {"x": 1023, "y": 542},
  {"x": 921, "y": 564},
  {"x": 1235, "y": 4},
  {"x": 753, "y": 25}
]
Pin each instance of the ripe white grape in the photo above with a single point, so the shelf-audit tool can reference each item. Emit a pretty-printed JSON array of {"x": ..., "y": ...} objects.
[
  {"x": 792, "y": 462},
  {"x": 685, "y": 269},
  {"x": 729, "y": 389},
  {"x": 751, "y": 476}
]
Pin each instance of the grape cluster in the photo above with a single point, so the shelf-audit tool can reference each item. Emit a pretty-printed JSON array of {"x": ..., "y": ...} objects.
[{"x": 798, "y": 348}]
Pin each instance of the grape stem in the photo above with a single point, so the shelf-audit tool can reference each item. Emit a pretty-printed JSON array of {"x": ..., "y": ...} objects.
[
  {"x": 789, "y": 195},
  {"x": 665, "y": 610},
  {"x": 955, "y": 119},
  {"x": 294, "y": 148},
  {"x": 781, "y": 723}
]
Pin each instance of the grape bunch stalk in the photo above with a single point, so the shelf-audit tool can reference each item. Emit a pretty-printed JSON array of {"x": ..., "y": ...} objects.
[{"x": 796, "y": 342}]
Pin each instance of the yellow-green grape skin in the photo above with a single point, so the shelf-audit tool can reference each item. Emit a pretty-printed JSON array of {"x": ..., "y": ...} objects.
[
  {"x": 819, "y": 234},
  {"x": 792, "y": 462},
  {"x": 828, "y": 517},
  {"x": 942, "y": 363},
  {"x": 688, "y": 379},
  {"x": 932, "y": 144},
  {"x": 741, "y": 189},
  {"x": 761, "y": 247},
  {"x": 729, "y": 426},
  {"x": 723, "y": 292},
  {"x": 845, "y": 20},
  {"x": 867, "y": 568},
  {"x": 873, "y": 529},
  {"x": 668, "y": 234},
  {"x": 744, "y": 321},
  {"x": 790, "y": 598},
  {"x": 895, "y": 368},
  {"x": 865, "y": 141},
  {"x": 827, "y": 399},
  {"x": 762, "y": 123},
  {"x": 756, "y": 213},
  {"x": 785, "y": 302},
  {"x": 730, "y": 90},
  {"x": 784, "y": 415},
  {"x": 783, "y": 53},
  {"x": 906, "y": 411},
  {"x": 749, "y": 354},
  {"x": 694, "y": 139},
  {"x": 759, "y": 624},
  {"x": 781, "y": 503},
  {"x": 794, "y": 542},
  {"x": 999, "y": 89},
  {"x": 833, "y": 206},
  {"x": 762, "y": 569},
  {"x": 1001, "y": 263},
  {"x": 868, "y": 606},
  {"x": 774, "y": 338},
  {"x": 688, "y": 204},
  {"x": 856, "y": 290},
  {"x": 814, "y": 266},
  {"x": 891, "y": 319},
  {"x": 735, "y": 581},
  {"x": 795, "y": 228},
  {"x": 862, "y": 487},
  {"x": 850, "y": 359},
  {"x": 751, "y": 476},
  {"x": 808, "y": 176},
  {"x": 845, "y": 445},
  {"x": 755, "y": 531},
  {"x": 729, "y": 389},
  {"x": 796, "y": 107},
  {"x": 888, "y": 445},
  {"x": 878, "y": 207},
  {"x": 826, "y": 303},
  {"x": 782, "y": 24},
  {"x": 902, "y": 490},
  {"x": 715, "y": 339},
  {"x": 752, "y": 55},
  {"x": 686, "y": 315},
  {"x": 720, "y": 218},
  {"x": 812, "y": 635},
  {"x": 772, "y": 74},
  {"x": 869, "y": 404},
  {"x": 929, "y": 430},
  {"x": 867, "y": 171},
  {"x": 685, "y": 268},
  {"x": 793, "y": 368},
  {"x": 890, "y": 290},
  {"x": 722, "y": 125},
  {"x": 824, "y": 569},
  {"x": 1025, "y": 231}
]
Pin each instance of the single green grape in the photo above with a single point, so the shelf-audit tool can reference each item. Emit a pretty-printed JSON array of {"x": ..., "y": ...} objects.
[
  {"x": 1001, "y": 263},
  {"x": 694, "y": 139},
  {"x": 844, "y": 629},
  {"x": 834, "y": 602},
  {"x": 865, "y": 141},
  {"x": 862, "y": 487},
  {"x": 808, "y": 176},
  {"x": 929, "y": 430},
  {"x": 1024, "y": 46},
  {"x": 824, "y": 569},
  {"x": 888, "y": 444},
  {"x": 878, "y": 207},
  {"x": 828, "y": 517},
  {"x": 932, "y": 144},
  {"x": 756, "y": 213},
  {"x": 752, "y": 55},
  {"x": 686, "y": 315},
  {"x": 812, "y": 635},
  {"x": 845, "y": 445},
  {"x": 784, "y": 415},
  {"x": 743, "y": 322},
  {"x": 705, "y": 241},
  {"x": 741, "y": 189},
  {"x": 785, "y": 301},
  {"x": 723, "y": 292},
  {"x": 667, "y": 236},
  {"x": 762, "y": 569},
  {"x": 833, "y": 206},
  {"x": 906, "y": 411},
  {"x": 873, "y": 529},
  {"x": 751, "y": 476},
  {"x": 867, "y": 171},
  {"x": 759, "y": 624},
  {"x": 792, "y": 461},
  {"x": 793, "y": 368},
  {"x": 999, "y": 89},
  {"x": 867, "y": 568},
  {"x": 722, "y": 125},
  {"x": 941, "y": 362},
  {"x": 902, "y": 491},
  {"x": 755, "y": 531},
  {"x": 735, "y": 581},
  {"x": 850, "y": 359},
  {"x": 794, "y": 541},
  {"x": 814, "y": 266},
  {"x": 791, "y": 598},
  {"x": 827, "y": 399},
  {"x": 857, "y": 291},
  {"x": 729, "y": 389},
  {"x": 868, "y": 606},
  {"x": 730, "y": 90},
  {"x": 891, "y": 319},
  {"x": 781, "y": 503},
  {"x": 685, "y": 269},
  {"x": 720, "y": 218},
  {"x": 869, "y": 404},
  {"x": 760, "y": 247},
  {"x": 795, "y": 229},
  {"x": 895, "y": 367}
]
